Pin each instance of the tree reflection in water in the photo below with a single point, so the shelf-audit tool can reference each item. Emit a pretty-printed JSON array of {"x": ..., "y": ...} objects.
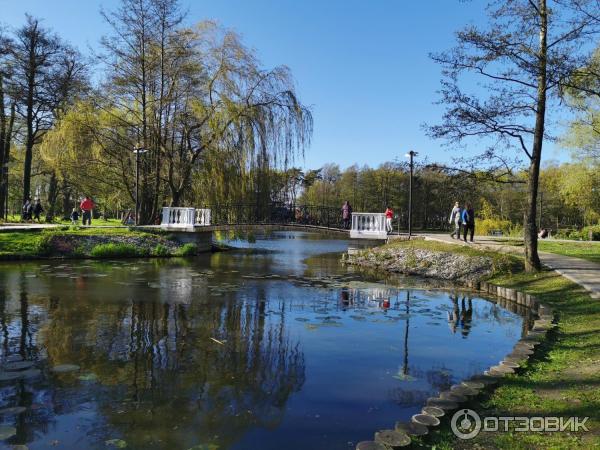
[
  {"x": 229, "y": 351},
  {"x": 161, "y": 380}
]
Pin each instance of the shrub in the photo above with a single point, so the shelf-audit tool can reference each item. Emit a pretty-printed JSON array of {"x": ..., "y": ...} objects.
[
  {"x": 486, "y": 226},
  {"x": 189, "y": 249},
  {"x": 44, "y": 245},
  {"x": 161, "y": 250},
  {"x": 79, "y": 251},
  {"x": 591, "y": 233},
  {"x": 112, "y": 250},
  {"x": 516, "y": 230}
]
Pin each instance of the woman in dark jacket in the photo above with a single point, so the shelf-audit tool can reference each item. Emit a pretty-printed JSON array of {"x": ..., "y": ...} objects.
[
  {"x": 37, "y": 210},
  {"x": 468, "y": 220},
  {"x": 346, "y": 214}
]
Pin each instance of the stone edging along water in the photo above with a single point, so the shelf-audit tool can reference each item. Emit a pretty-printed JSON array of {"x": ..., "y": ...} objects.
[{"x": 439, "y": 408}]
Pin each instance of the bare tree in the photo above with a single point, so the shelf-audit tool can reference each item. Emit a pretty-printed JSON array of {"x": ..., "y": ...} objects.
[
  {"x": 7, "y": 119},
  {"x": 525, "y": 57},
  {"x": 35, "y": 60}
]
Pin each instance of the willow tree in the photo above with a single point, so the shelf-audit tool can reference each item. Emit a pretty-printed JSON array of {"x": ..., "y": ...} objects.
[
  {"x": 584, "y": 95},
  {"x": 232, "y": 105},
  {"x": 180, "y": 92},
  {"x": 525, "y": 56}
]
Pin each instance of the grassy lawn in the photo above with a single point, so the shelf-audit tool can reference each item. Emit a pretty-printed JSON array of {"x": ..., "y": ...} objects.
[
  {"x": 577, "y": 249},
  {"x": 16, "y": 243},
  {"x": 561, "y": 379},
  {"x": 26, "y": 243},
  {"x": 589, "y": 251}
]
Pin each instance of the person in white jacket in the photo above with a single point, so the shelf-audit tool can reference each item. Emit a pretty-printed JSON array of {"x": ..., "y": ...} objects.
[{"x": 455, "y": 217}]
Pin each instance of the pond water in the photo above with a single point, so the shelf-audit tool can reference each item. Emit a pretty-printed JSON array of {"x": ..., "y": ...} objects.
[{"x": 280, "y": 347}]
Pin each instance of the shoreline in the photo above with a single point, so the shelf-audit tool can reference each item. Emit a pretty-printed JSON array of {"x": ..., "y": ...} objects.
[
  {"x": 559, "y": 373},
  {"x": 68, "y": 243}
]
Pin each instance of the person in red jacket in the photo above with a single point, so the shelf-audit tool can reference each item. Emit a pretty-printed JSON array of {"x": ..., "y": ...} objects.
[
  {"x": 389, "y": 215},
  {"x": 87, "y": 205}
]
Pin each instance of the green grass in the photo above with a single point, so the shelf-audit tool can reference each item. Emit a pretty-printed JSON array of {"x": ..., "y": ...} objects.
[
  {"x": 116, "y": 250},
  {"x": 562, "y": 378},
  {"x": 577, "y": 249},
  {"x": 189, "y": 249},
  {"x": 15, "y": 243},
  {"x": 589, "y": 250},
  {"x": 160, "y": 250},
  {"x": 31, "y": 244}
]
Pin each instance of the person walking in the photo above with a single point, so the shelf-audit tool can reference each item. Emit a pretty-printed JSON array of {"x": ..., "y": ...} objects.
[
  {"x": 389, "y": 214},
  {"x": 456, "y": 219},
  {"x": 74, "y": 216},
  {"x": 37, "y": 210},
  {"x": 27, "y": 209},
  {"x": 346, "y": 214},
  {"x": 87, "y": 206},
  {"x": 468, "y": 220}
]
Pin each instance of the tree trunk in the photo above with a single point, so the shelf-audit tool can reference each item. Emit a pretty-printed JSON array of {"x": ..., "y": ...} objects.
[
  {"x": 52, "y": 197},
  {"x": 175, "y": 197},
  {"x": 66, "y": 194},
  {"x": 3, "y": 137},
  {"x": 5, "y": 150},
  {"x": 31, "y": 70},
  {"x": 532, "y": 260}
]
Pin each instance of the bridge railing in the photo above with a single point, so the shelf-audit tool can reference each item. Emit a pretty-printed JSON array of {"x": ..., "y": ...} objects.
[
  {"x": 284, "y": 213},
  {"x": 203, "y": 217},
  {"x": 366, "y": 225},
  {"x": 275, "y": 213},
  {"x": 174, "y": 217}
]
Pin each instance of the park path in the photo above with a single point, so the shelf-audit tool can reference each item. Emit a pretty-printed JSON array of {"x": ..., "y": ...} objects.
[
  {"x": 27, "y": 226},
  {"x": 580, "y": 271}
]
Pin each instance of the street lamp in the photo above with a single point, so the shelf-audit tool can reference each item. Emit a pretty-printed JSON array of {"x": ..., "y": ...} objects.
[
  {"x": 137, "y": 152},
  {"x": 411, "y": 154}
]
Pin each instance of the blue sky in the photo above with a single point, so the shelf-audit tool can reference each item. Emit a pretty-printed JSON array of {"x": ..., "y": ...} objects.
[{"x": 362, "y": 66}]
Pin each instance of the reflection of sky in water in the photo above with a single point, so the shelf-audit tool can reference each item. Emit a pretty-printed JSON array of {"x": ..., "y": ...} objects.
[
  {"x": 241, "y": 350},
  {"x": 289, "y": 249}
]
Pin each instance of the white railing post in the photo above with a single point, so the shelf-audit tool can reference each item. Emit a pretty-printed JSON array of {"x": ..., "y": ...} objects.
[
  {"x": 179, "y": 217},
  {"x": 368, "y": 226},
  {"x": 202, "y": 217},
  {"x": 166, "y": 213}
]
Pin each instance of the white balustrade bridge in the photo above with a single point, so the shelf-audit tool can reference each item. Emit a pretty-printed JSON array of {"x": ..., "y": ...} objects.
[{"x": 364, "y": 225}]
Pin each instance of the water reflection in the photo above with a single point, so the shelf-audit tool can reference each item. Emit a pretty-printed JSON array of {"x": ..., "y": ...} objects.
[
  {"x": 235, "y": 350},
  {"x": 460, "y": 317}
]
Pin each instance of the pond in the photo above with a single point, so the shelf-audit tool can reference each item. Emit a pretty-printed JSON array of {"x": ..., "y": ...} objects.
[{"x": 276, "y": 345}]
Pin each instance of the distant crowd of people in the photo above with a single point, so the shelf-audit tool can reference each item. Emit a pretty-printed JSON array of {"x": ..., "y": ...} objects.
[{"x": 32, "y": 211}]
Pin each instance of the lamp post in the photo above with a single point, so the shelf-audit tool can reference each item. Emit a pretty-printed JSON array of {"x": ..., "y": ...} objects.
[
  {"x": 411, "y": 154},
  {"x": 137, "y": 152}
]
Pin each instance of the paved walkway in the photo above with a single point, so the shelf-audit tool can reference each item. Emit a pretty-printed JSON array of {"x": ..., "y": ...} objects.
[
  {"x": 580, "y": 271},
  {"x": 26, "y": 226}
]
